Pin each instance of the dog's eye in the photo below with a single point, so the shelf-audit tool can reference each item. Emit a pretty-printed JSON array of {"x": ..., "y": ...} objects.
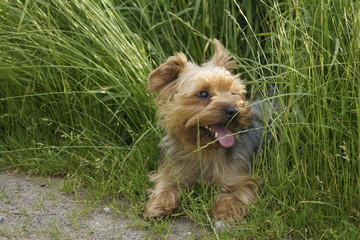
[
  {"x": 203, "y": 94},
  {"x": 233, "y": 93}
]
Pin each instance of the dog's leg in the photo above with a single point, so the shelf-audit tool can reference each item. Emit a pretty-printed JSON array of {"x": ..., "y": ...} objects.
[
  {"x": 169, "y": 181},
  {"x": 236, "y": 196},
  {"x": 164, "y": 196}
]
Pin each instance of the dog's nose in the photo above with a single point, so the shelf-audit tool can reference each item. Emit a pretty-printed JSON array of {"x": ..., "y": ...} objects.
[{"x": 231, "y": 112}]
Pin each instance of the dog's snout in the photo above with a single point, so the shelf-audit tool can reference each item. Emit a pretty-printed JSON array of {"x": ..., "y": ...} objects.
[{"x": 231, "y": 112}]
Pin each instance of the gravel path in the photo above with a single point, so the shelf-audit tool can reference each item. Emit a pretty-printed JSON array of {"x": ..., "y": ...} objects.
[{"x": 35, "y": 208}]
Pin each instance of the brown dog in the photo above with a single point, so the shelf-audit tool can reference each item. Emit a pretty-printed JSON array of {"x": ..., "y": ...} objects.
[{"x": 211, "y": 135}]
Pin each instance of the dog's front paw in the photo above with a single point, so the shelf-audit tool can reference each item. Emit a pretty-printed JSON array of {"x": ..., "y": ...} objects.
[
  {"x": 229, "y": 208},
  {"x": 156, "y": 213},
  {"x": 160, "y": 205}
]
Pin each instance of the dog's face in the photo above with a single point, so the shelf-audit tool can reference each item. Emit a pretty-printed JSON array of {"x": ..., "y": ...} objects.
[{"x": 201, "y": 104}]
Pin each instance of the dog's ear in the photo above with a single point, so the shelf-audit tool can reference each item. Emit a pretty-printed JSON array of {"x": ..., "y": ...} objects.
[
  {"x": 222, "y": 57},
  {"x": 163, "y": 78}
]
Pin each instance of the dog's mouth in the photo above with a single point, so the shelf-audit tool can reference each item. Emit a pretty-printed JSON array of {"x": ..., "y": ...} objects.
[{"x": 223, "y": 135}]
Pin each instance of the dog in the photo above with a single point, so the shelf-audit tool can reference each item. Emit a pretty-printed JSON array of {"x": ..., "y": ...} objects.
[{"x": 211, "y": 134}]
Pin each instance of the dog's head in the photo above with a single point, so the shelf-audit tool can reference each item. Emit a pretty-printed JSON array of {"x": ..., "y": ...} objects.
[{"x": 201, "y": 104}]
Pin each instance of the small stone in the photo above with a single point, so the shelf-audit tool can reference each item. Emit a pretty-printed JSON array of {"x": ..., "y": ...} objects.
[
  {"x": 2, "y": 219},
  {"x": 42, "y": 184},
  {"x": 17, "y": 212},
  {"x": 220, "y": 225},
  {"x": 107, "y": 210}
]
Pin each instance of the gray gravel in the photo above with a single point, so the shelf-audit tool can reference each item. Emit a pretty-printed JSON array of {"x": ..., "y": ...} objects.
[{"x": 34, "y": 208}]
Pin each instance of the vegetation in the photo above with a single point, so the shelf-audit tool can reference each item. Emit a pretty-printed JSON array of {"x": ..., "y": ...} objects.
[{"x": 74, "y": 102}]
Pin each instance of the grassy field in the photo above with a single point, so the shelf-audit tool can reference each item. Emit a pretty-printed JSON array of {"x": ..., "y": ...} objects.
[{"x": 74, "y": 102}]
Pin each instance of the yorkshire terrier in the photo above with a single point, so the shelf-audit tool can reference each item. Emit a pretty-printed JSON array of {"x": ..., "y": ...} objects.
[{"x": 211, "y": 135}]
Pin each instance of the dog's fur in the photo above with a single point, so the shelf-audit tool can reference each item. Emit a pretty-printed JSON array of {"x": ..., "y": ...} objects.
[{"x": 194, "y": 103}]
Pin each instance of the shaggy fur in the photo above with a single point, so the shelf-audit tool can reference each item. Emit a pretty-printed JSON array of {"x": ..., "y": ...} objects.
[{"x": 211, "y": 135}]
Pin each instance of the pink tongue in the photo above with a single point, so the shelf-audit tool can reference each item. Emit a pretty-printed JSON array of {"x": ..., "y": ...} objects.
[{"x": 227, "y": 141}]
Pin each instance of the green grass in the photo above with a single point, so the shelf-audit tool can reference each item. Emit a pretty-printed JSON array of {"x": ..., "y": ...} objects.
[{"x": 74, "y": 101}]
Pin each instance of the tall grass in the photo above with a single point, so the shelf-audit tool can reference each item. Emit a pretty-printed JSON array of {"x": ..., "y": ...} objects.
[{"x": 74, "y": 101}]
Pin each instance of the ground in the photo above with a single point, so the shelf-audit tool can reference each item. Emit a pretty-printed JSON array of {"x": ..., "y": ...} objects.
[{"x": 32, "y": 207}]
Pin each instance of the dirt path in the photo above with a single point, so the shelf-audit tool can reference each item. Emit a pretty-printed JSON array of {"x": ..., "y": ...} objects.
[{"x": 35, "y": 208}]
